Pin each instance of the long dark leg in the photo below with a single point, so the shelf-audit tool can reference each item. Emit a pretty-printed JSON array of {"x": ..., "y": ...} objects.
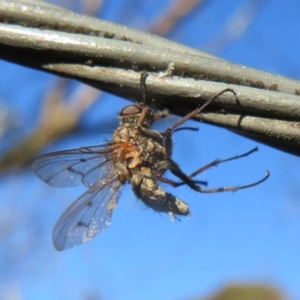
[
  {"x": 175, "y": 169},
  {"x": 216, "y": 190},
  {"x": 219, "y": 161},
  {"x": 149, "y": 113},
  {"x": 192, "y": 128},
  {"x": 176, "y": 184},
  {"x": 213, "y": 164},
  {"x": 168, "y": 133},
  {"x": 157, "y": 115},
  {"x": 235, "y": 188},
  {"x": 199, "y": 110},
  {"x": 169, "y": 164}
]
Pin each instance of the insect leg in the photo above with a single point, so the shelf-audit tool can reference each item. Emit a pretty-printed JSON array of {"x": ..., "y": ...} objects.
[
  {"x": 175, "y": 169},
  {"x": 219, "y": 161},
  {"x": 149, "y": 114},
  {"x": 235, "y": 188},
  {"x": 176, "y": 184},
  {"x": 157, "y": 115},
  {"x": 200, "y": 109},
  {"x": 168, "y": 143},
  {"x": 192, "y": 183},
  {"x": 186, "y": 128}
]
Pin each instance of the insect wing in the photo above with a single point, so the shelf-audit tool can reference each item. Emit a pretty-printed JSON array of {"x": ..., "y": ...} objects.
[
  {"x": 88, "y": 216},
  {"x": 86, "y": 165}
]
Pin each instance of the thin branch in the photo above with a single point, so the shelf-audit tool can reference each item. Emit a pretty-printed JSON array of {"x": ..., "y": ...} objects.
[
  {"x": 176, "y": 11},
  {"x": 235, "y": 27},
  {"x": 57, "y": 119}
]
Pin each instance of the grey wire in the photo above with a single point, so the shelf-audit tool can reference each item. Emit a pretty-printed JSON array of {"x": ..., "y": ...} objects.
[{"x": 110, "y": 57}]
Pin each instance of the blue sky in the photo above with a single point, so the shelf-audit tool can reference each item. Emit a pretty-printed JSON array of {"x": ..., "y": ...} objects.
[{"x": 249, "y": 236}]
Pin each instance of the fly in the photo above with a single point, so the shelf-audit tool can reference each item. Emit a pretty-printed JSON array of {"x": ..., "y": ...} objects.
[{"x": 136, "y": 154}]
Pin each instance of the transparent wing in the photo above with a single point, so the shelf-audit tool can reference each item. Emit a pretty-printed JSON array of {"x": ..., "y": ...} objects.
[
  {"x": 88, "y": 216},
  {"x": 86, "y": 165}
]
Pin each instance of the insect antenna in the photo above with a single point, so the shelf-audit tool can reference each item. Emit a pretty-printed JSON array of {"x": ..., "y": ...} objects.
[{"x": 143, "y": 87}]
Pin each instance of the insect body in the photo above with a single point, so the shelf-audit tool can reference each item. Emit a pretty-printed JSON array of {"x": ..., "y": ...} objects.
[{"x": 137, "y": 155}]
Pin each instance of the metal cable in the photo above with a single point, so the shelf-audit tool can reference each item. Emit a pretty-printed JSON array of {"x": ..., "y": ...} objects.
[{"x": 110, "y": 57}]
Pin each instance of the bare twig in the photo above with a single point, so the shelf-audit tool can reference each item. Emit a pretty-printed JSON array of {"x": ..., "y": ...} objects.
[
  {"x": 238, "y": 23},
  {"x": 58, "y": 119},
  {"x": 176, "y": 11}
]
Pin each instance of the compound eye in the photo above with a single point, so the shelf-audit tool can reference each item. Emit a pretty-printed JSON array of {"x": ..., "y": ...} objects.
[{"x": 131, "y": 110}]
